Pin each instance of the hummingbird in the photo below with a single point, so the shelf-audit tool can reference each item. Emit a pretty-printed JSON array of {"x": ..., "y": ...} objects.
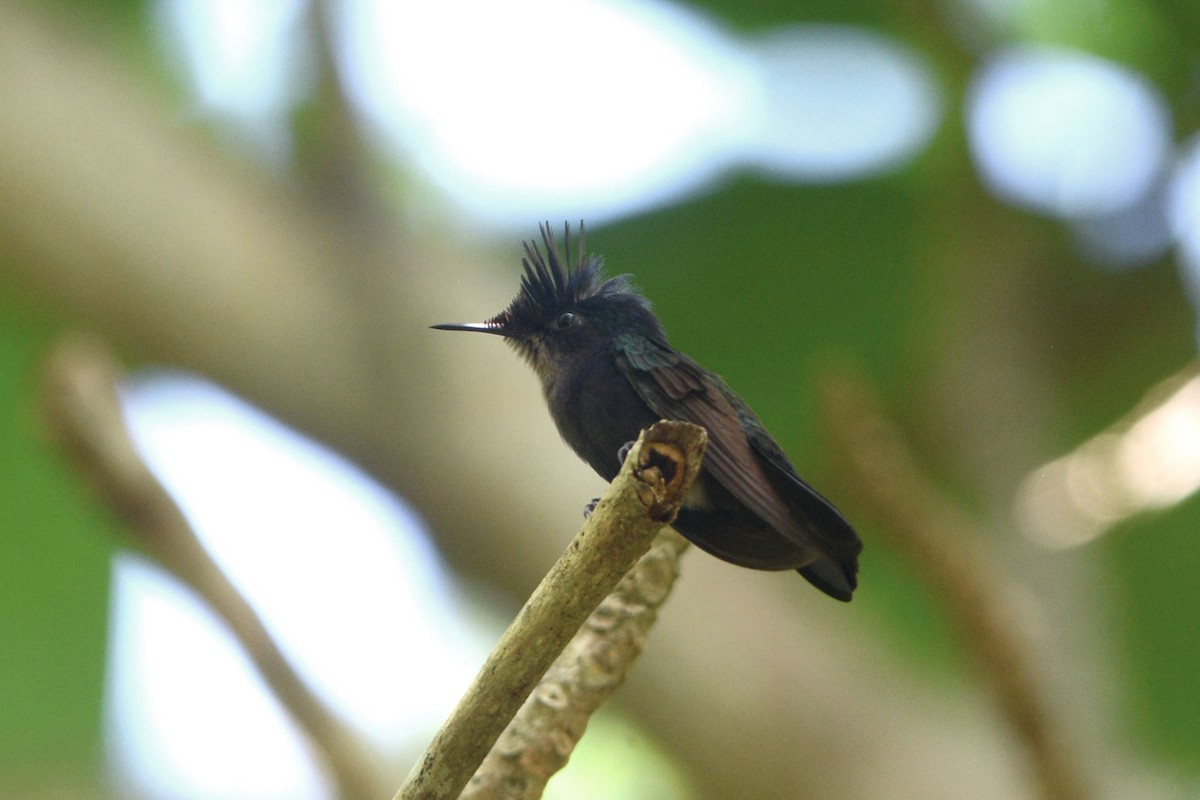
[{"x": 607, "y": 371}]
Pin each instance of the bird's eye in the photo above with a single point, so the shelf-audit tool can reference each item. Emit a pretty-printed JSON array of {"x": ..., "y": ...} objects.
[{"x": 565, "y": 320}]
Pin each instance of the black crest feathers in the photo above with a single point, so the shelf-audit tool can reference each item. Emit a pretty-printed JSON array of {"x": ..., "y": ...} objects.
[{"x": 551, "y": 284}]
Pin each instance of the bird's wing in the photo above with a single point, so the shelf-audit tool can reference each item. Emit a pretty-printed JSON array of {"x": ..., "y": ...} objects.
[
  {"x": 828, "y": 526},
  {"x": 675, "y": 387}
]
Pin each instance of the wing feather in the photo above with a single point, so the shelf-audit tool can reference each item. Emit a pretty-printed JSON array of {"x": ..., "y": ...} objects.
[
  {"x": 675, "y": 387},
  {"x": 829, "y": 528}
]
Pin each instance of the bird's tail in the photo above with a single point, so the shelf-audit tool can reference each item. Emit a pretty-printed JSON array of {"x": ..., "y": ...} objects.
[{"x": 838, "y": 580}]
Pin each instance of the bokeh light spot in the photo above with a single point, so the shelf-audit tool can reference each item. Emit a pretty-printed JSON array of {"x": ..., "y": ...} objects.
[{"x": 1066, "y": 133}]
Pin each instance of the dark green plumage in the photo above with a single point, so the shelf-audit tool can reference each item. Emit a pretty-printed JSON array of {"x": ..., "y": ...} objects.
[{"x": 607, "y": 372}]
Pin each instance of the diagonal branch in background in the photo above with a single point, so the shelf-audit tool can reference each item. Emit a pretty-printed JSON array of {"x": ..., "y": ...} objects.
[
  {"x": 644, "y": 497},
  {"x": 80, "y": 403},
  {"x": 539, "y": 740},
  {"x": 923, "y": 525}
]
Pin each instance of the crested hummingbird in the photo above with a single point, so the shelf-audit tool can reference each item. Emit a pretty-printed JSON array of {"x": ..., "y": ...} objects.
[{"x": 607, "y": 372}]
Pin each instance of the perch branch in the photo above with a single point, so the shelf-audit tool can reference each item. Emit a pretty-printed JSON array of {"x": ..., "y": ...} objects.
[
  {"x": 540, "y": 738},
  {"x": 644, "y": 497},
  {"x": 933, "y": 534},
  {"x": 83, "y": 412}
]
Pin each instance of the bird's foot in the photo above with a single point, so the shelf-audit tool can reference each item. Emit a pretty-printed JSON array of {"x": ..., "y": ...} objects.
[
  {"x": 622, "y": 454},
  {"x": 590, "y": 507}
]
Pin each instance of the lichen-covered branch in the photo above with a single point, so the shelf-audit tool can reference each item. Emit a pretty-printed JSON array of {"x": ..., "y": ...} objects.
[
  {"x": 934, "y": 535},
  {"x": 539, "y": 740},
  {"x": 81, "y": 407},
  {"x": 645, "y": 496}
]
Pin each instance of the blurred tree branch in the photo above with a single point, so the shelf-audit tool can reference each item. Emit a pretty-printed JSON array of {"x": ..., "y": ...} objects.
[
  {"x": 934, "y": 536},
  {"x": 80, "y": 404}
]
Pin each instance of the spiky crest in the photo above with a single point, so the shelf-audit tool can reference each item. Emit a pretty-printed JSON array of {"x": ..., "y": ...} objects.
[{"x": 551, "y": 284}]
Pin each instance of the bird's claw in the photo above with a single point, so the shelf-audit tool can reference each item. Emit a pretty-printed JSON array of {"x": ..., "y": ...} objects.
[
  {"x": 623, "y": 453},
  {"x": 590, "y": 507}
]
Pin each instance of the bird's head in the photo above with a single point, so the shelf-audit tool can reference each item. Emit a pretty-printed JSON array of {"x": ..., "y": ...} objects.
[{"x": 566, "y": 311}]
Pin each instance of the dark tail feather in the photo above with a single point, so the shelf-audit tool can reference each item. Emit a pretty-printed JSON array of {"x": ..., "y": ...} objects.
[{"x": 836, "y": 580}]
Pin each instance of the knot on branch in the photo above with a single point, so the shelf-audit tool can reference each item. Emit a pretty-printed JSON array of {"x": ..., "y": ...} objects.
[{"x": 664, "y": 462}]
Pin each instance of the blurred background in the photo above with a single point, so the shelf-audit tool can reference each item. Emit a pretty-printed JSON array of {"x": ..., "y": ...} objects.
[{"x": 989, "y": 211}]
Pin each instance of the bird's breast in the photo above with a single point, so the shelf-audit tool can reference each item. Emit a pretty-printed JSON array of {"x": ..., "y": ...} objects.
[{"x": 597, "y": 411}]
